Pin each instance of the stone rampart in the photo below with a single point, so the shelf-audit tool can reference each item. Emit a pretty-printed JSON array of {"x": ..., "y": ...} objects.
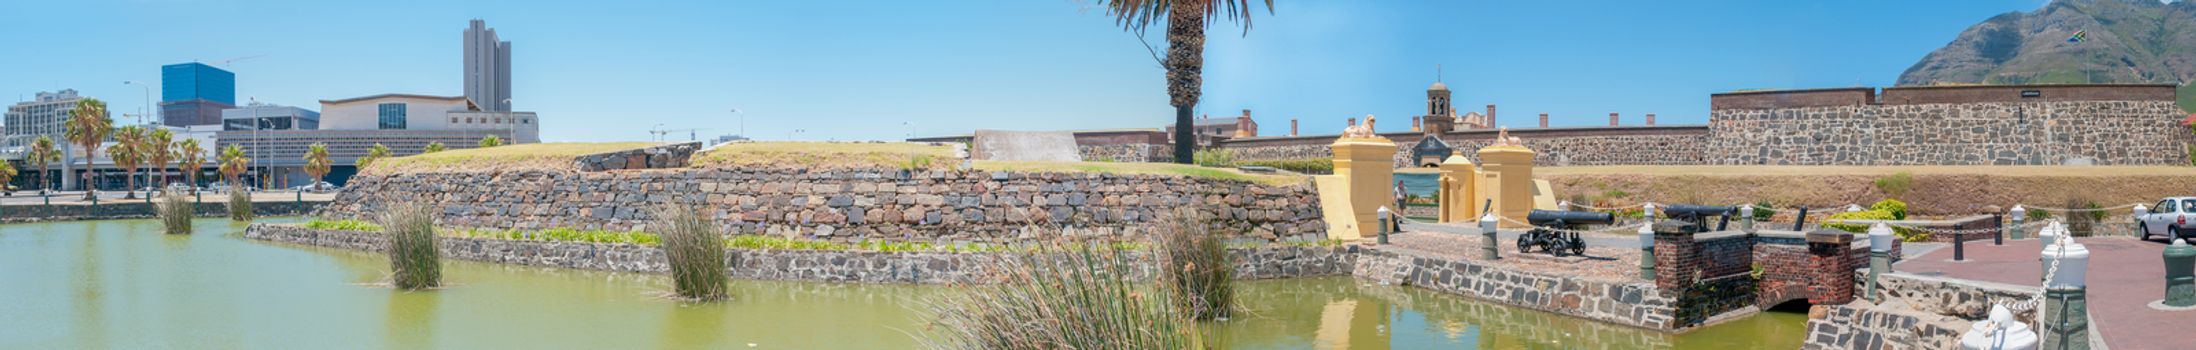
[
  {"x": 1998, "y": 133},
  {"x": 1850, "y": 327},
  {"x": 658, "y": 157},
  {"x": 1633, "y": 303},
  {"x": 213, "y": 206},
  {"x": 844, "y": 204},
  {"x": 789, "y": 265}
]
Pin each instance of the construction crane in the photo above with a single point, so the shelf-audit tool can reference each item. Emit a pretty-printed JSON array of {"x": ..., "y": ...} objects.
[{"x": 661, "y": 134}]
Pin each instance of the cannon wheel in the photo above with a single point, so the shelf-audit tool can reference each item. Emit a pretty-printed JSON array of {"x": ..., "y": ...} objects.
[
  {"x": 1525, "y": 243},
  {"x": 1576, "y": 245}
]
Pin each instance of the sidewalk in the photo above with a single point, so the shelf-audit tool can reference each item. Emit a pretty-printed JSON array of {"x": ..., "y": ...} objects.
[{"x": 2124, "y": 277}]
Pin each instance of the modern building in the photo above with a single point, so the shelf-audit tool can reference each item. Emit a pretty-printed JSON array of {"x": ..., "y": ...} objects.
[
  {"x": 487, "y": 68},
  {"x": 195, "y": 94},
  {"x": 46, "y": 115},
  {"x": 423, "y": 112},
  {"x": 269, "y": 117},
  {"x": 281, "y": 153}
]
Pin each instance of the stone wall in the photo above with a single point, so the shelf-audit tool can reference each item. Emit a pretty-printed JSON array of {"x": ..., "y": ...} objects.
[
  {"x": 1849, "y": 327},
  {"x": 1997, "y": 133},
  {"x": 1659, "y": 145},
  {"x": 658, "y": 157},
  {"x": 791, "y": 265},
  {"x": 213, "y": 206},
  {"x": 1136, "y": 152},
  {"x": 1965, "y": 299},
  {"x": 1632, "y": 303},
  {"x": 845, "y": 204}
]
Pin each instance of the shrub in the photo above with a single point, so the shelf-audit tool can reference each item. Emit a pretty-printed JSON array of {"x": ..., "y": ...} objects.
[
  {"x": 1059, "y": 297},
  {"x": 2084, "y": 223},
  {"x": 1887, "y": 209},
  {"x": 240, "y": 204},
  {"x": 1896, "y": 184},
  {"x": 1763, "y": 211},
  {"x": 175, "y": 212},
  {"x": 1194, "y": 267},
  {"x": 1307, "y": 165},
  {"x": 2035, "y": 215},
  {"x": 1214, "y": 157},
  {"x": 414, "y": 260},
  {"x": 694, "y": 248},
  {"x": 1893, "y": 206},
  {"x": 345, "y": 225}
]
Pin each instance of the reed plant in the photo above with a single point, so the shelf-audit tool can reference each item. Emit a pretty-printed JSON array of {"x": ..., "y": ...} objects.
[
  {"x": 1061, "y": 297},
  {"x": 240, "y": 204},
  {"x": 1194, "y": 268},
  {"x": 414, "y": 259},
  {"x": 694, "y": 247},
  {"x": 175, "y": 212}
]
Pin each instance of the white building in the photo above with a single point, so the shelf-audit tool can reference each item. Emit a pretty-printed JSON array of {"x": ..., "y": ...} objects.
[{"x": 422, "y": 112}]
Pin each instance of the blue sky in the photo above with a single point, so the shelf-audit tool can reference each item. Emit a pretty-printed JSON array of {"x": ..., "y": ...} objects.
[{"x": 863, "y": 70}]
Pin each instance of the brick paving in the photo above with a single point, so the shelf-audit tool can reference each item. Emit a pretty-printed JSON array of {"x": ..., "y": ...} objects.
[
  {"x": 2124, "y": 276},
  {"x": 1602, "y": 261}
]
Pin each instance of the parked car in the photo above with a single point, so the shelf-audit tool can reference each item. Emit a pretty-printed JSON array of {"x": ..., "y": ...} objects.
[
  {"x": 317, "y": 187},
  {"x": 2173, "y": 217}
]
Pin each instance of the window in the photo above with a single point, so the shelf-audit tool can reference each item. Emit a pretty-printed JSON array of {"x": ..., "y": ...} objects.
[
  {"x": 2188, "y": 206},
  {"x": 392, "y": 116},
  {"x": 453, "y": 120},
  {"x": 2165, "y": 206}
]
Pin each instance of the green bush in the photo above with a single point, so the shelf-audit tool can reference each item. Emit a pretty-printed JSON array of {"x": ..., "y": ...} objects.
[
  {"x": 693, "y": 247},
  {"x": 1763, "y": 211},
  {"x": 1883, "y": 210},
  {"x": 2035, "y": 215},
  {"x": 1214, "y": 157},
  {"x": 240, "y": 204},
  {"x": 1308, "y": 165},
  {"x": 1895, "y": 185},
  {"x": 1894, "y": 206},
  {"x": 414, "y": 260}
]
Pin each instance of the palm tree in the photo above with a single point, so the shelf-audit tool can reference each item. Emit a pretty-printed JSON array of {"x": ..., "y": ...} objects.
[
  {"x": 372, "y": 154},
  {"x": 42, "y": 155},
  {"x": 316, "y": 162},
  {"x": 128, "y": 152},
  {"x": 1185, "y": 59},
  {"x": 87, "y": 127},
  {"x": 490, "y": 141},
  {"x": 233, "y": 163},
  {"x": 432, "y": 147},
  {"x": 7, "y": 176},
  {"x": 191, "y": 158},
  {"x": 159, "y": 149}
]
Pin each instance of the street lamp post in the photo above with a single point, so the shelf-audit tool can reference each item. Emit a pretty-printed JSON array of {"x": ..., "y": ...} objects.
[{"x": 141, "y": 112}]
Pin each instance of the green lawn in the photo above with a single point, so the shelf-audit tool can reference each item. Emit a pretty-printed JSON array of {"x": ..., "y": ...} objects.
[
  {"x": 904, "y": 155},
  {"x": 552, "y": 156}
]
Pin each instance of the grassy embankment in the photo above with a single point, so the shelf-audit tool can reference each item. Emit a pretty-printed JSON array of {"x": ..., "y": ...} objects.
[
  {"x": 558, "y": 155},
  {"x": 1928, "y": 190},
  {"x": 919, "y": 156}
]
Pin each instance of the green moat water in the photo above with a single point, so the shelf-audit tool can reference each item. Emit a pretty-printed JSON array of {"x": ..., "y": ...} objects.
[{"x": 122, "y": 284}]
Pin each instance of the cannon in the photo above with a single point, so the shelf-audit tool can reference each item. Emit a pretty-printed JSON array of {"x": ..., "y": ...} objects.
[
  {"x": 1559, "y": 243},
  {"x": 1698, "y": 214}
]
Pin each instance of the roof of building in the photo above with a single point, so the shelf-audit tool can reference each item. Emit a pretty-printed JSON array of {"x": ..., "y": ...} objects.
[
  {"x": 412, "y": 96},
  {"x": 1439, "y": 86}
]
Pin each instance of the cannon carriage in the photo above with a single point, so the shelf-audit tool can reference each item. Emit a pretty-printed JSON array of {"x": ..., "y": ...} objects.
[{"x": 1559, "y": 243}]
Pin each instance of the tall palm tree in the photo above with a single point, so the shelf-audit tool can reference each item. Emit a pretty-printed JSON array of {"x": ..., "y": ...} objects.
[
  {"x": 129, "y": 153},
  {"x": 43, "y": 152},
  {"x": 159, "y": 149},
  {"x": 372, "y": 154},
  {"x": 1185, "y": 58},
  {"x": 233, "y": 163},
  {"x": 191, "y": 158},
  {"x": 87, "y": 127},
  {"x": 316, "y": 162}
]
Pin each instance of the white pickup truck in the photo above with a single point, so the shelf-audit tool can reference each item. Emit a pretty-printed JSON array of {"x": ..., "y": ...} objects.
[{"x": 2173, "y": 217}]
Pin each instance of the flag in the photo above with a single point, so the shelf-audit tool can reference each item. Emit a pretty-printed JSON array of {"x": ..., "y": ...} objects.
[{"x": 2079, "y": 35}]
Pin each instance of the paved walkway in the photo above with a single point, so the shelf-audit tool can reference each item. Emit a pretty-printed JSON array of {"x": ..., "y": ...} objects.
[{"x": 2124, "y": 276}]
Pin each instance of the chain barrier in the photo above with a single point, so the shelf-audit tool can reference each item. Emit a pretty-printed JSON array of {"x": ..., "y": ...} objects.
[
  {"x": 1615, "y": 229},
  {"x": 1973, "y": 231},
  {"x": 2123, "y": 206}
]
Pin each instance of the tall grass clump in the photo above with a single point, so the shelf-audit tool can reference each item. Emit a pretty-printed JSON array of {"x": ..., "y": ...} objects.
[
  {"x": 1060, "y": 297},
  {"x": 240, "y": 204},
  {"x": 694, "y": 247},
  {"x": 175, "y": 212},
  {"x": 414, "y": 259},
  {"x": 1194, "y": 268}
]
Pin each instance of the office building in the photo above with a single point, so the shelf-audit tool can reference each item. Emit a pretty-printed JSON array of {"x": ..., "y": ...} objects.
[
  {"x": 48, "y": 115},
  {"x": 423, "y": 112},
  {"x": 269, "y": 117},
  {"x": 195, "y": 94},
  {"x": 487, "y": 68}
]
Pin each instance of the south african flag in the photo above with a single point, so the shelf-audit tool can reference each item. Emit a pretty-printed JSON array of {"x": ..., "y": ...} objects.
[{"x": 2079, "y": 35}]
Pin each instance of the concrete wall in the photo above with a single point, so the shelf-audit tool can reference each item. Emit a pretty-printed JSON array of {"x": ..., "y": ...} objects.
[{"x": 213, "y": 206}]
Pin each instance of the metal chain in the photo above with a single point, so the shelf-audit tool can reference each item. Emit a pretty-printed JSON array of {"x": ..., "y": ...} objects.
[
  {"x": 1973, "y": 231},
  {"x": 2124, "y": 206}
]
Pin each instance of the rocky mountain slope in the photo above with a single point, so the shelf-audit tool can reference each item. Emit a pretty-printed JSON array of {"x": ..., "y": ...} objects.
[{"x": 2124, "y": 41}]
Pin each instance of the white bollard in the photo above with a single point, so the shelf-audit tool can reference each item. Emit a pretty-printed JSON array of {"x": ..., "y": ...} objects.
[
  {"x": 1849, "y": 208},
  {"x": 1647, "y": 251},
  {"x": 2065, "y": 313},
  {"x": 2050, "y": 234},
  {"x": 1999, "y": 332}
]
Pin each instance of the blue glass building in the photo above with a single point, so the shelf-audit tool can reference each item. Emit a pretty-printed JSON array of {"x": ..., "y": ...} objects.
[{"x": 195, "y": 93}]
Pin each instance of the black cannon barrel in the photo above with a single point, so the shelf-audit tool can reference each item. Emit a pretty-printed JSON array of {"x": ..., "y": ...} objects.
[
  {"x": 1542, "y": 217},
  {"x": 1697, "y": 211}
]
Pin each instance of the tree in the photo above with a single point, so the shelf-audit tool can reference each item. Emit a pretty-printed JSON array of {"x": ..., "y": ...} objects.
[
  {"x": 191, "y": 158},
  {"x": 129, "y": 153},
  {"x": 7, "y": 176},
  {"x": 316, "y": 162},
  {"x": 233, "y": 163},
  {"x": 87, "y": 127},
  {"x": 490, "y": 141},
  {"x": 372, "y": 154},
  {"x": 1185, "y": 58},
  {"x": 159, "y": 150},
  {"x": 43, "y": 152},
  {"x": 432, "y": 147}
]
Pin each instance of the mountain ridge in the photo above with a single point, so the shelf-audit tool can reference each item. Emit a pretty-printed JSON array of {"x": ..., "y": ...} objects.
[{"x": 2123, "y": 41}]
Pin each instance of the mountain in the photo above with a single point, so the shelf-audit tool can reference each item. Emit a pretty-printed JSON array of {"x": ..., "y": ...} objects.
[{"x": 2125, "y": 41}]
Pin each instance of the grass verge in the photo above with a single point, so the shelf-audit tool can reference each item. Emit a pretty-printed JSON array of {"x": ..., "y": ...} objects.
[
  {"x": 551, "y": 156},
  {"x": 903, "y": 155},
  {"x": 1170, "y": 169}
]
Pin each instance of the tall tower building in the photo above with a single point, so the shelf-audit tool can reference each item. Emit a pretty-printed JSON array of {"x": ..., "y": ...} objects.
[
  {"x": 487, "y": 68},
  {"x": 195, "y": 93}
]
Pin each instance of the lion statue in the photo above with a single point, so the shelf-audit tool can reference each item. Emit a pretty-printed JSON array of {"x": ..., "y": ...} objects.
[{"x": 1361, "y": 131}]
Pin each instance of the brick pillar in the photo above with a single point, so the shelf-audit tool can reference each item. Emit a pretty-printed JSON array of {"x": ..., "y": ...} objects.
[
  {"x": 1650, "y": 119},
  {"x": 1491, "y": 116},
  {"x": 1612, "y": 119},
  {"x": 1543, "y": 120},
  {"x": 1830, "y": 254},
  {"x": 1415, "y": 123},
  {"x": 1677, "y": 256},
  {"x": 1292, "y": 126}
]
